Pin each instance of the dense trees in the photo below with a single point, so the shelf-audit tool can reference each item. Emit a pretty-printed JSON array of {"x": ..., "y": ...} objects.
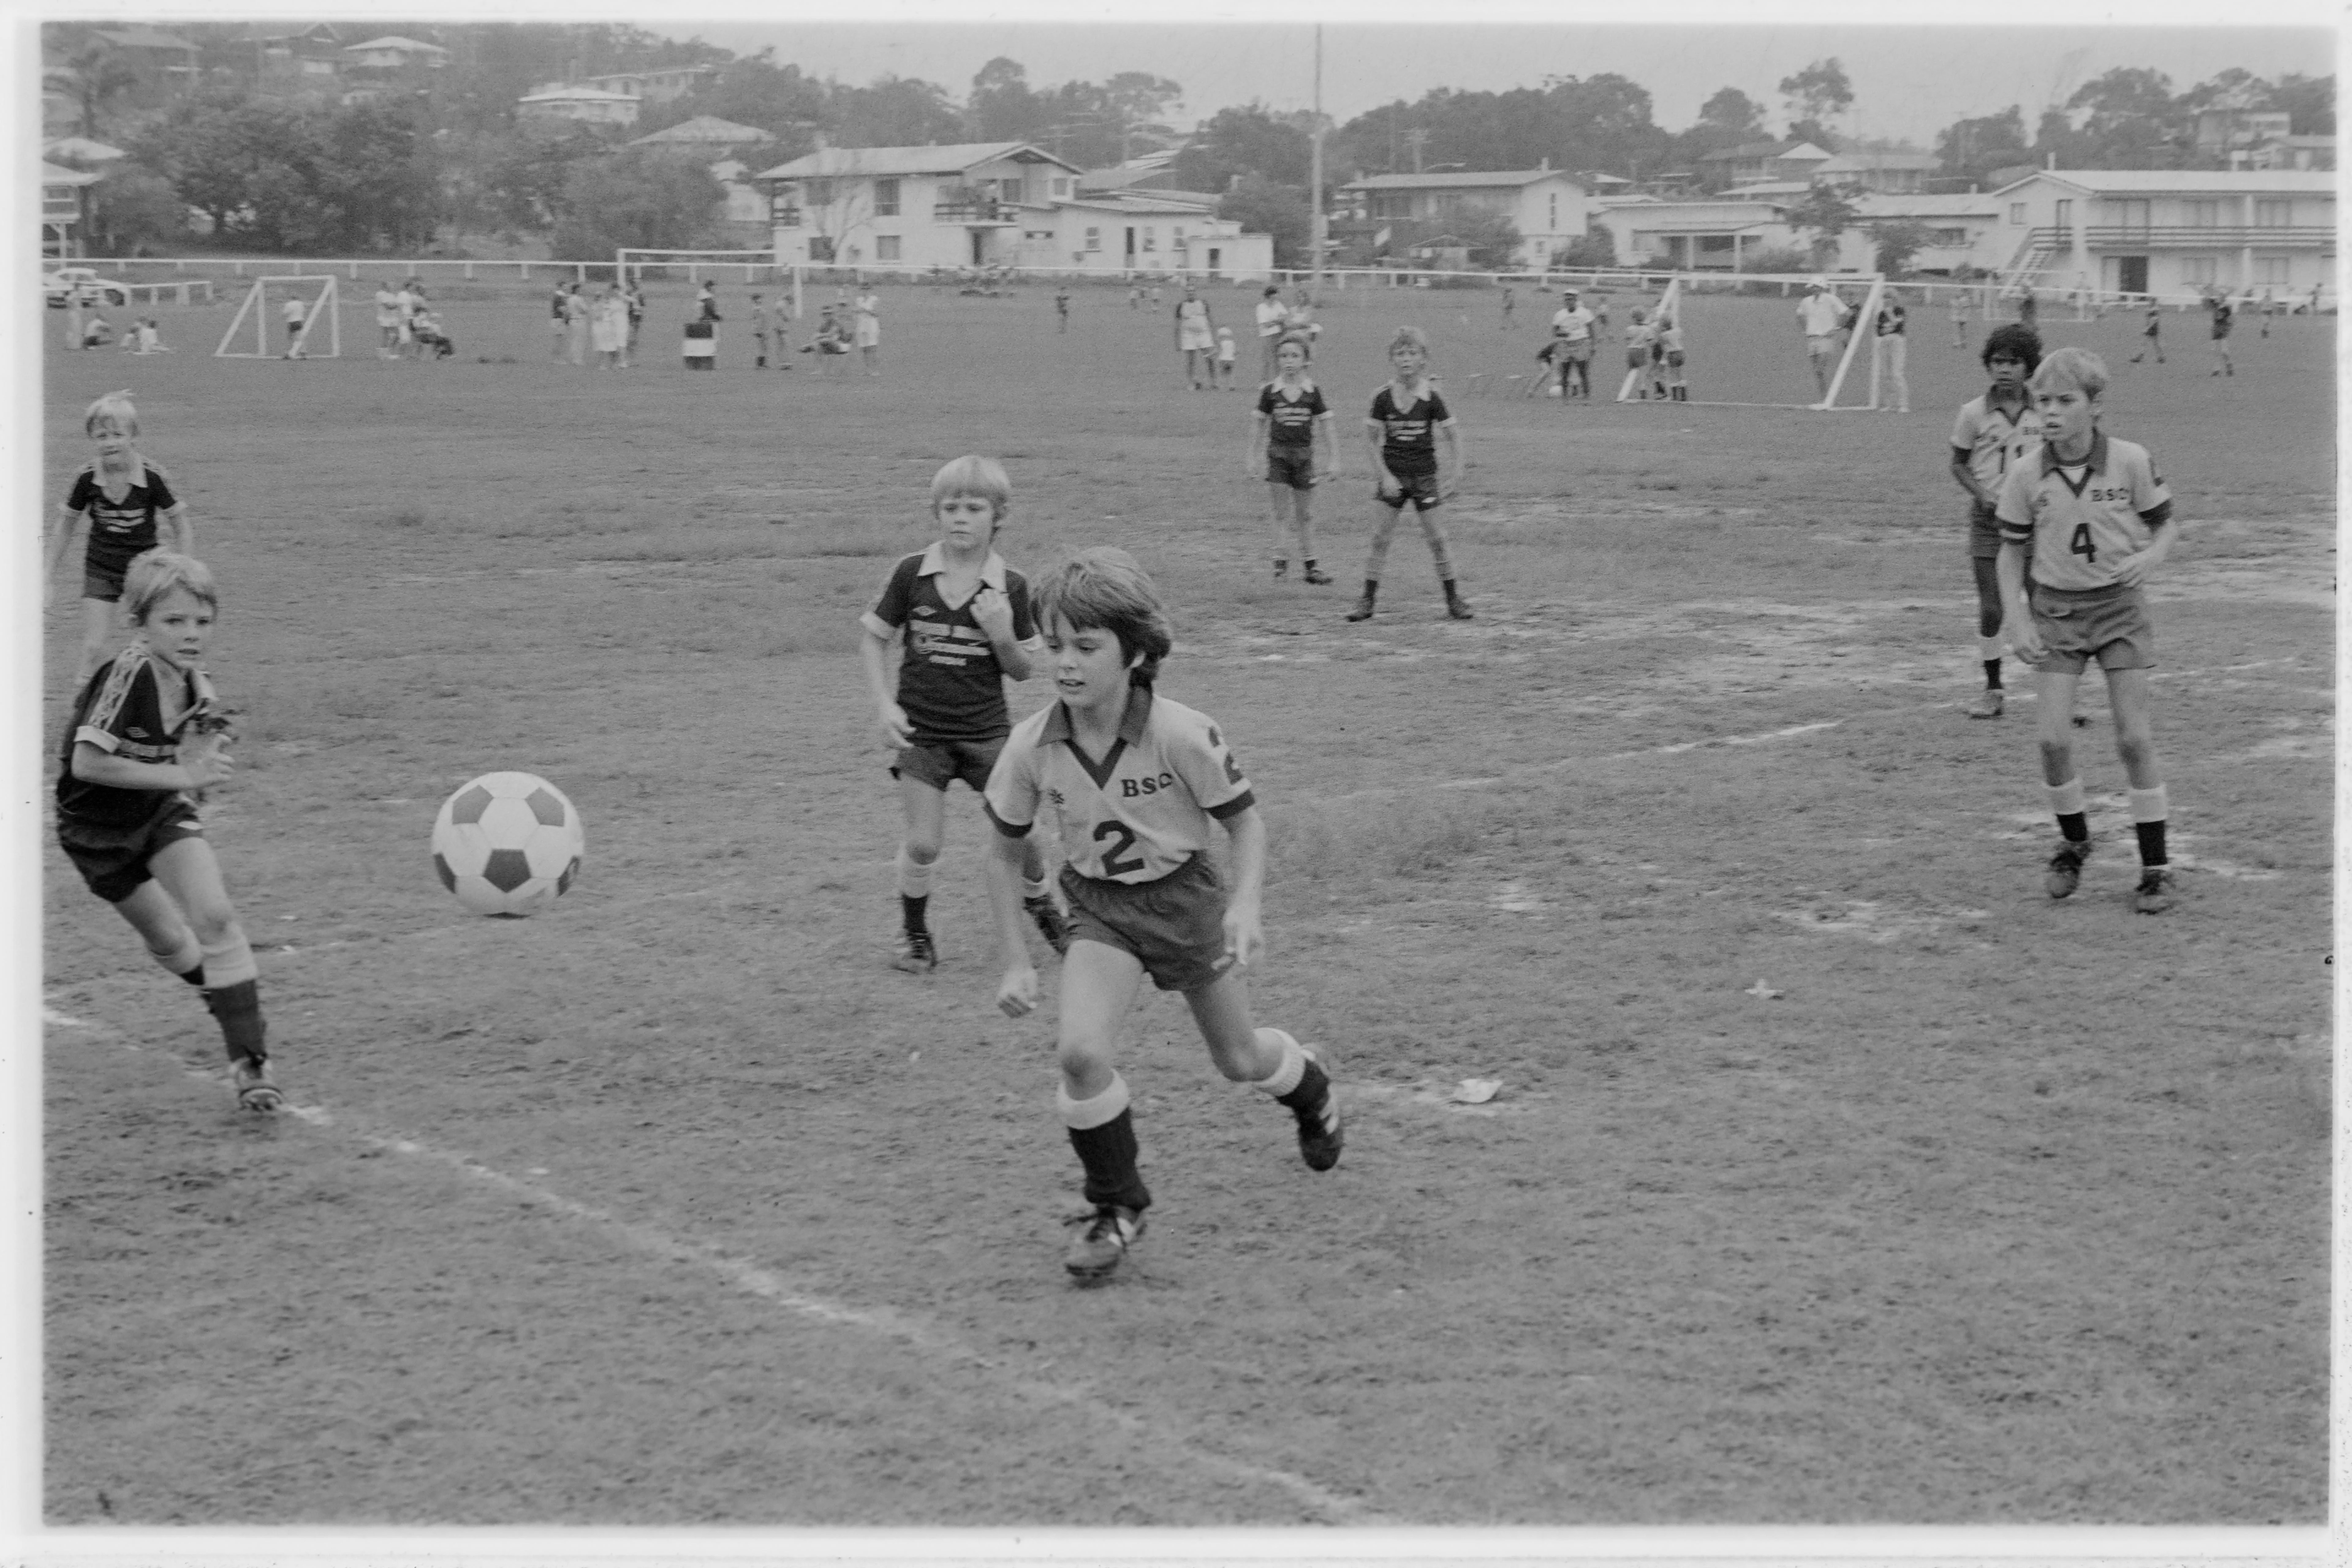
[
  {"x": 636, "y": 197},
  {"x": 288, "y": 178}
]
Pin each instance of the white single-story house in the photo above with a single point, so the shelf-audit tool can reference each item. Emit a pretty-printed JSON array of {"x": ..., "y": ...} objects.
[
  {"x": 587, "y": 105},
  {"x": 655, "y": 85},
  {"x": 1142, "y": 231},
  {"x": 1548, "y": 206},
  {"x": 392, "y": 52}
]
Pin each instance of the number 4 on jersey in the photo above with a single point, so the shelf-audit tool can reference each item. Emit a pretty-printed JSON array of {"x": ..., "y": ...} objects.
[{"x": 2080, "y": 543}]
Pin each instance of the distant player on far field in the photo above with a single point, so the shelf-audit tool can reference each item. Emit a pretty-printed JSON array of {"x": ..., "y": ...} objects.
[
  {"x": 2153, "y": 332},
  {"x": 964, "y": 618},
  {"x": 2092, "y": 517},
  {"x": 1134, "y": 781},
  {"x": 1994, "y": 434},
  {"x": 2223, "y": 316}
]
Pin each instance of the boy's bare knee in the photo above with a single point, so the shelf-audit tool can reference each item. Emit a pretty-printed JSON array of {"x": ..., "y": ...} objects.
[
  {"x": 2058, "y": 758},
  {"x": 214, "y": 923},
  {"x": 922, "y": 852}
]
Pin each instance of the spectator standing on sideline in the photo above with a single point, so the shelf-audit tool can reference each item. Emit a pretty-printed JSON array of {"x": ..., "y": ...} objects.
[
  {"x": 294, "y": 313},
  {"x": 1062, "y": 308},
  {"x": 558, "y": 323},
  {"x": 387, "y": 321},
  {"x": 1820, "y": 314},
  {"x": 759, "y": 334},
  {"x": 1196, "y": 337},
  {"x": 1889, "y": 347},
  {"x": 868, "y": 328},
  {"x": 609, "y": 327},
  {"x": 575, "y": 323},
  {"x": 1273, "y": 317},
  {"x": 779, "y": 318},
  {"x": 1959, "y": 318},
  {"x": 635, "y": 295}
]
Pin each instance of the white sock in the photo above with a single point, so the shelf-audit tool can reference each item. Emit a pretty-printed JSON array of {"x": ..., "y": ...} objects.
[
  {"x": 2149, "y": 804},
  {"x": 227, "y": 963},
  {"x": 914, "y": 876},
  {"x": 1284, "y": 1079},
  {"x": 1990, "y": 647},
  {"x": 2066, "y": 799},
  {"x": 183, "y": 959},
  {"x": 1035, "y": 889},
  {"x": 1081, "y": 1115}
]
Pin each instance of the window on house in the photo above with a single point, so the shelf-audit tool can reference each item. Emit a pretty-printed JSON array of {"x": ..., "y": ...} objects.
[
  {"x": 1952, "y": 236},
  {"x": 1061, "y": 186},
  {"x": 2017, "y": 214},
  {"x": 1554, "y": 224},
  {"x": 819, "y": 193},
  {"x": 886, "y": 198},
  {"x": 2270, "y": 271},
  {"x": 885, "y": 247},
  {"x": 820, "y": 247},
  {"x": 1094, "y": 239},
  {"x": 2201, "y": 215},
  {"x": 1150, "y": 239},
  {"x": 2063, "y": 215},
  {"x": 2273, "y": 215}
]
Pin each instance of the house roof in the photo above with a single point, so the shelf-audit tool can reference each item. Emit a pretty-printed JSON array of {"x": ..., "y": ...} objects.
[
  {"x": 705, "y": 129},
  {"x": 2161, "y": 182},
  {"x": 1766, "y": 190},
  {"x": 1879, "y": 203},
  {"x": 1145, "y": 204},
  {"x": 1854, "y": 162},
  {"x": 83, "y": 148},
  {"x": 393, "y": 41},
  {"x": 143, "y": 38},
  {"x": 1462, "y": 179},
  {"x": 52, "y": 174},
  {"x": 1803, "y": 152},
  {"x": 1745, "y": 150},
  {"x": 836, "y": 162},
  {"x": 577, "y": 95}
]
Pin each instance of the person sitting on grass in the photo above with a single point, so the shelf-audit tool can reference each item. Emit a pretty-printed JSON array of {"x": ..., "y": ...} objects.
[
  {"x": 963, "y": 619},
  {"x": 146, "y": 738},
  {"x": 2091, "y": 519},
  {"x": 1134, "y": 781}
]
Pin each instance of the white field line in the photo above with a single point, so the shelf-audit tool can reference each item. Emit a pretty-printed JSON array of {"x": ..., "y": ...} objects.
[{"x": 753, "y": 1280}]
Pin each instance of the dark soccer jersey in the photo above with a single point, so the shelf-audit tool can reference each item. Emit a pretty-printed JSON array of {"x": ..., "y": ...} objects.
[
  {"x": 950, "y": 684},
  {"x": 1409, "y": 435},
  {"x": 1292, "y": 417},
  {"x": 120, "y": 529},
  {"x": 121, "y": 712}
]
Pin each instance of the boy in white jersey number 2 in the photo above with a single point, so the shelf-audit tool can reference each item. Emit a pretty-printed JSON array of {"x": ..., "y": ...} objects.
[
  {"x": 2097, "y": 518},
  {"x": 1134, "y": 781}
]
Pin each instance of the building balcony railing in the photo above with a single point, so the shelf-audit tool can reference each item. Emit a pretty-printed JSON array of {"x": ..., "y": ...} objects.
[
  {"x": 785, "y": 218},
  {"x": 973, "y": 212},
  {"x": 2186, "y": 236}
]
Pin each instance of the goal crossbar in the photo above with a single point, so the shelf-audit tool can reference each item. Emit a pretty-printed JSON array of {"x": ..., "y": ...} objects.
[{"x": 323, "y": 302}]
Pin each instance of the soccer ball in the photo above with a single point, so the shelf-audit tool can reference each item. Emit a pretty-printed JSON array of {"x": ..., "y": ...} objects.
[
  {"x": 508, "y": 844},
  {"x": 1553, "y": 390}
]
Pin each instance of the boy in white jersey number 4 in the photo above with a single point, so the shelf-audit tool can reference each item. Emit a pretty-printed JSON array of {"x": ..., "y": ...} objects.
[
  {"x": 1134, "y": 781},
  {"x": 965, "y": 619},
  {"x": 2097, "y": 518}
]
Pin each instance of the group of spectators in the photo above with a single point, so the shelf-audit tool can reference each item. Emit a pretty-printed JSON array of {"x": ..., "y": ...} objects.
[{"x": 606, "y": 322}]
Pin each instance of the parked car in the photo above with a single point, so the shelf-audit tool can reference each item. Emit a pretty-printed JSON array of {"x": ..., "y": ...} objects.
[{"x": 70, "y": 282}]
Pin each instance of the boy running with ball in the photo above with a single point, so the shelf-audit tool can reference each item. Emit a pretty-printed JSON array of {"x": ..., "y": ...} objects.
[
  {"x": 965, "y": 621},
  {"x": 1134, "y": 781},
  {"x": 2092, "y": 518}
]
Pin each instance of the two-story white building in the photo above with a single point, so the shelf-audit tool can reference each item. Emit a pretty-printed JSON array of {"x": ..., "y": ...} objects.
[
  {"x": 2169, "y": 231},
  {"x": 1548, "y": 206},
  {"x": 957, "y": 206}
]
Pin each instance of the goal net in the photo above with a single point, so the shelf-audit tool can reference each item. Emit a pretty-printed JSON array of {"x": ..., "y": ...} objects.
[
  {"x": 1743, "y": 345},
  {"x": 636, "y": 264},
  {"x": 265, "y": 328}
]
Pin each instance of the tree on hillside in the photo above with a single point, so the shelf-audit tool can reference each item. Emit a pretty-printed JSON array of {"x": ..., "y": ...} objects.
[
  {"x": 1825, "y": 212},
  {"x": 640, "y": 198},
  {"x": 753, "y": 91},
  {"x": 1971, "y": 149},
  {"x": 1598, "y": 122},
  {"x": 1896, "y": 242},
  {"x": 2310, "y": 99},
  {"x": 1246, "y": 140},
  {"x": 1727, "y": 120},
  {"x": 1261, "y": 206},
  {"x": 2130, "y": 121},
  {"x": 1813, "y": 96},
  {"x": 892, "y": 111},
  {"x": 100, "y": 74},
  {"x": 1491, "y": 238},
  {"x": 1001, "y": 107},
  {"x": 132, "y": 209}
]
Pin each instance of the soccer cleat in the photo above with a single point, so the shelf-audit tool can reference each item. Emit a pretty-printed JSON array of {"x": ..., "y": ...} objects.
[
  {"x": 1456, "y": 606},
  {"x": 1987, "y": 706},
  {"x": 917, "y": 955},
  {"x": 1317, "y": 577},
  {"x": 1316, "y": 1104},
  {"x": 255, "y": 1092},
  {"x": 2154, "y": 894},
  {"x": 1363, "y": 610},
  {"x": 1102, "y": 1238},
  {"x": 1281, "y": 570},
  {"x": 2067, "y": 867},
  {"x": 1051, "y": 923}
]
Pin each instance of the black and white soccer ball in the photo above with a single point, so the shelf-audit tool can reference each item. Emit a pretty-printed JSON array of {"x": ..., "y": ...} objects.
[{"x": 508, "y": 844}]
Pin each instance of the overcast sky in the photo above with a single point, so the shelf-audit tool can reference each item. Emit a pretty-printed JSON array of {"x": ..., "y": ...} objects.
[{"x": 1909, "y": 80}]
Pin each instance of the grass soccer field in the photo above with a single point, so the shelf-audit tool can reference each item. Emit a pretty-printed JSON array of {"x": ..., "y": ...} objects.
[{"x": 1837, "y": 1175}]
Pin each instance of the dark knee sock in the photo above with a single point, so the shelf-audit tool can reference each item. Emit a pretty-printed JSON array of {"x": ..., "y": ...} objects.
[{"x": 237, "y": 1009}]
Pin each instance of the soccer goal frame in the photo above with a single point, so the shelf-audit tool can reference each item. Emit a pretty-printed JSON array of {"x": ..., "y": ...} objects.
[
  {"x": 629, "y": 262},
  {"x": 1670, "y": 303},
  {"x": 325, "y": 300}
]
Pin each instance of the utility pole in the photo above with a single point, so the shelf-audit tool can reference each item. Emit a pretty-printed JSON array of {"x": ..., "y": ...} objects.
[{"x": 1316, "y": 220}]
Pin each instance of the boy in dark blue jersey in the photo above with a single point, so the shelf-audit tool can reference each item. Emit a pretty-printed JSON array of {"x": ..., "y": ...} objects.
[
  {"x": 144, "y": 741},
  {"x": 124, "y": 496},
  {"x": 964, "y": 619},
  {"x": 1407, "y": 418}
]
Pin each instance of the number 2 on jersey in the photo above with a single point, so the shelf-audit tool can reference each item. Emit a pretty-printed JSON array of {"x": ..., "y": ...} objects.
[{"x": 1112, "y": 864}]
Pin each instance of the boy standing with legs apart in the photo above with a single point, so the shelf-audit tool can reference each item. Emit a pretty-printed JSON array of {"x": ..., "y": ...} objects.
[
  {"x": 144, "y": 741},
  {"x": 1292, "y": 420},
  {"x": 1407, "y": 417},
  {"x": 1993, "y": 434},
  {"x": 123, "y": 495},
  {"x": 1134, "y": 781},
  {"x": 966, "y": 622},
  {"x": 2093, "y": 518}
]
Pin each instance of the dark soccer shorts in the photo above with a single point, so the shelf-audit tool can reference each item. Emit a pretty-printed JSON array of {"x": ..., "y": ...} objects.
[
  {"x": 1292, "y": 465},
  {"x": 1984, "y": 533},
  {"x": 1418, "y": 489},
  {"x": 113, "y": 860},
  {"x": 2110, "y": 625},
  {"x": 940, "y": 763},
  {"x": 1175, "y": 927}
]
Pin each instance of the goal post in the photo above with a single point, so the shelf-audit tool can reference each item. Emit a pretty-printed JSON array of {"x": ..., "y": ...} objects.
[
  {"x": 1743, "y": 346},
  {"x": 631, "y": 263},
  {"x": 263, "y": 306}
]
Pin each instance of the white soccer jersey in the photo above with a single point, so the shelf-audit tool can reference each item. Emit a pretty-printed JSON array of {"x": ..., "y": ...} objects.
[
  {"x": 1994, "y": 439},
  {"x": 1137, "y": 814},
  {"x": 2075, "y": 528}
]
